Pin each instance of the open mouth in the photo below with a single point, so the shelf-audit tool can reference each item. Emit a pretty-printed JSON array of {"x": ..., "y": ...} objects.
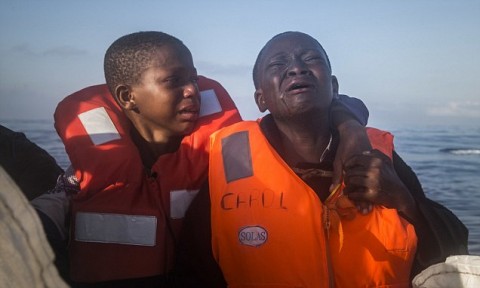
[
  {"x": 299, "y": 86},
  {"x": 189, "y": 112}
]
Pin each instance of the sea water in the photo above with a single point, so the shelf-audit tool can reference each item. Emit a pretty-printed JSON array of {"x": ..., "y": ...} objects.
[{"x": 446, "y": 160}]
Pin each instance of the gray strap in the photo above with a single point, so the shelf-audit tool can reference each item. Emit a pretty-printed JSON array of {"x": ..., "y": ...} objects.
[{"x": 237, "y": 157}]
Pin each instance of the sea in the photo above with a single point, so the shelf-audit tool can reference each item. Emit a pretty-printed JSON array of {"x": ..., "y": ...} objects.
[{"x": 445, "y": 158}]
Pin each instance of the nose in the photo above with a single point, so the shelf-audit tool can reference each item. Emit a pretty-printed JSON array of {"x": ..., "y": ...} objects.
[
  {"x": 190, "y": 89},
  {"x": 297, "y": 67}
]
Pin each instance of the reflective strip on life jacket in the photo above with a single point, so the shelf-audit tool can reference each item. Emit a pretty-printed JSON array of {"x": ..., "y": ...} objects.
[
  {"x": 209, "y": 103},
  {"x": 180, "y": 200},
  {"x": 237, "y": 157},
  {"x": 116, "y": 228},
  {"x": 99, "y": 126}
]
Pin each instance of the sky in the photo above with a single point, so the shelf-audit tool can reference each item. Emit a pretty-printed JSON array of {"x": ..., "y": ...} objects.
[{"x": 412, "y": 62}]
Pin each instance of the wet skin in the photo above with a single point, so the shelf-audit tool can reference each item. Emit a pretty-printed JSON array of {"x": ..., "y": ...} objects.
[{"x": 295, "y": 78}]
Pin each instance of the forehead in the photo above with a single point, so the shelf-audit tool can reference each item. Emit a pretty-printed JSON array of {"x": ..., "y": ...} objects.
[
  {"x": 290, "y": 43},
  {"x": 170, "y": 54}
]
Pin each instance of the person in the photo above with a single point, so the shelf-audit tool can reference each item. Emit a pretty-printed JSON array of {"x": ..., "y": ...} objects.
[
  {"x": 136, "y": 168},
  {"x": 139, "y": 149},
  {"x": 26, "y": 259},
  {"x": 267, "y": 217},
  {"x": 36, "y": 173},
  {"x": 31, "y": 167}
]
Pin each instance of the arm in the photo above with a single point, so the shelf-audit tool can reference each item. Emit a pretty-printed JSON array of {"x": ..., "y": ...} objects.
[
  {"x": 53, "y": 209},
  {"x": 393, "y": 184},
  {"x": 346, "y": 108},
  {"x": 30, "y": 166},
  {"x": 348, "y": 116}
]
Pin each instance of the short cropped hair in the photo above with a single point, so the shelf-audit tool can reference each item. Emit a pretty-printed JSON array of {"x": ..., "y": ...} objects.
[
  {"x": 255, "y": 74},
  {"x": 130, "y": 55}
]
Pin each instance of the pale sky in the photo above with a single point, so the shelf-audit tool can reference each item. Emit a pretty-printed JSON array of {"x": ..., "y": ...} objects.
[{"x": 410, "y": 61}]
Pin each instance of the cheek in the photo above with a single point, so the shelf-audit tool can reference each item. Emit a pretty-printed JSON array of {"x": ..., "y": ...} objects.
[{"x": 155, "y": 105}]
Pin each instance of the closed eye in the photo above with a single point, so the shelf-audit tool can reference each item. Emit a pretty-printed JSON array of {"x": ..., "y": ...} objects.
[
  {"x": 276, "y": 64},
  {"x": 172, "y": 80},
  {"x": 313, "y": 58}
]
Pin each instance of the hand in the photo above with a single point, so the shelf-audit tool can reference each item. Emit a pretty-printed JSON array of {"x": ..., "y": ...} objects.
[
  {"x": 353, "y": 140},
  {"x": 370, "y": 177}
]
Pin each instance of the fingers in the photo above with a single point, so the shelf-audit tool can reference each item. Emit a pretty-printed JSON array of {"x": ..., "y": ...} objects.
[
  {"x": 366, "y": 159},
  {"x": 363, "y": 183},
  {"x": 364, "y": 207},
  {"x": 362, "y": 179}
]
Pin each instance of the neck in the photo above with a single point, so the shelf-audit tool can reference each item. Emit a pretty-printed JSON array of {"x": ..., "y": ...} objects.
[
  {"x": 152, "y": 145},
  {"x": 303, "y": 141}
]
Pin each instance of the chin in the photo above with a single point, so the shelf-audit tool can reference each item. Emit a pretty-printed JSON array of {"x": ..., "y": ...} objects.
[{"x": 188, "y": 130}]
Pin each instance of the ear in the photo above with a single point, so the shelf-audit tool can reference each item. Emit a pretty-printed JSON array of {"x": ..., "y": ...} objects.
[
  {"x": 334, "y": 86},
  {"x": 124, "y": 97},
  {"x": 260, "y": 100}
]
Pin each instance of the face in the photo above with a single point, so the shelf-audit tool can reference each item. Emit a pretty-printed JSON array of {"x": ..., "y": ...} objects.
[
  {"x": 294, "y": 77},
  {"x": 166, "y": 100}
]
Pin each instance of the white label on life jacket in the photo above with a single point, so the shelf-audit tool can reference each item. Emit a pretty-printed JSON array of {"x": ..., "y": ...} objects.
[
  {"x": 180, "y": 200},
  {"x": 116, "y": 228},
  {"x": 254, "y": 236},
  {"x": 210, "y": 104},
  {"x": 99, "y": 126}
]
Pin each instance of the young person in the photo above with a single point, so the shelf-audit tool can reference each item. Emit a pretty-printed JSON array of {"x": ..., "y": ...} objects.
[
  {"x": 137, "y": 168},
  {"x": 274, "y": 222}
]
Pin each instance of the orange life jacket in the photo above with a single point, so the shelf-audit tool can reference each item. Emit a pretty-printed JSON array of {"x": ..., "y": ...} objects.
[
  {"x": 270, "y": 229},
  {"x": 125, "y": 219}
]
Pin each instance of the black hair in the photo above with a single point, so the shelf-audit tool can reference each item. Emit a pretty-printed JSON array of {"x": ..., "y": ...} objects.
[
  {"x": 130, "y": 55},
  {"x": 255, "y": 73}
]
